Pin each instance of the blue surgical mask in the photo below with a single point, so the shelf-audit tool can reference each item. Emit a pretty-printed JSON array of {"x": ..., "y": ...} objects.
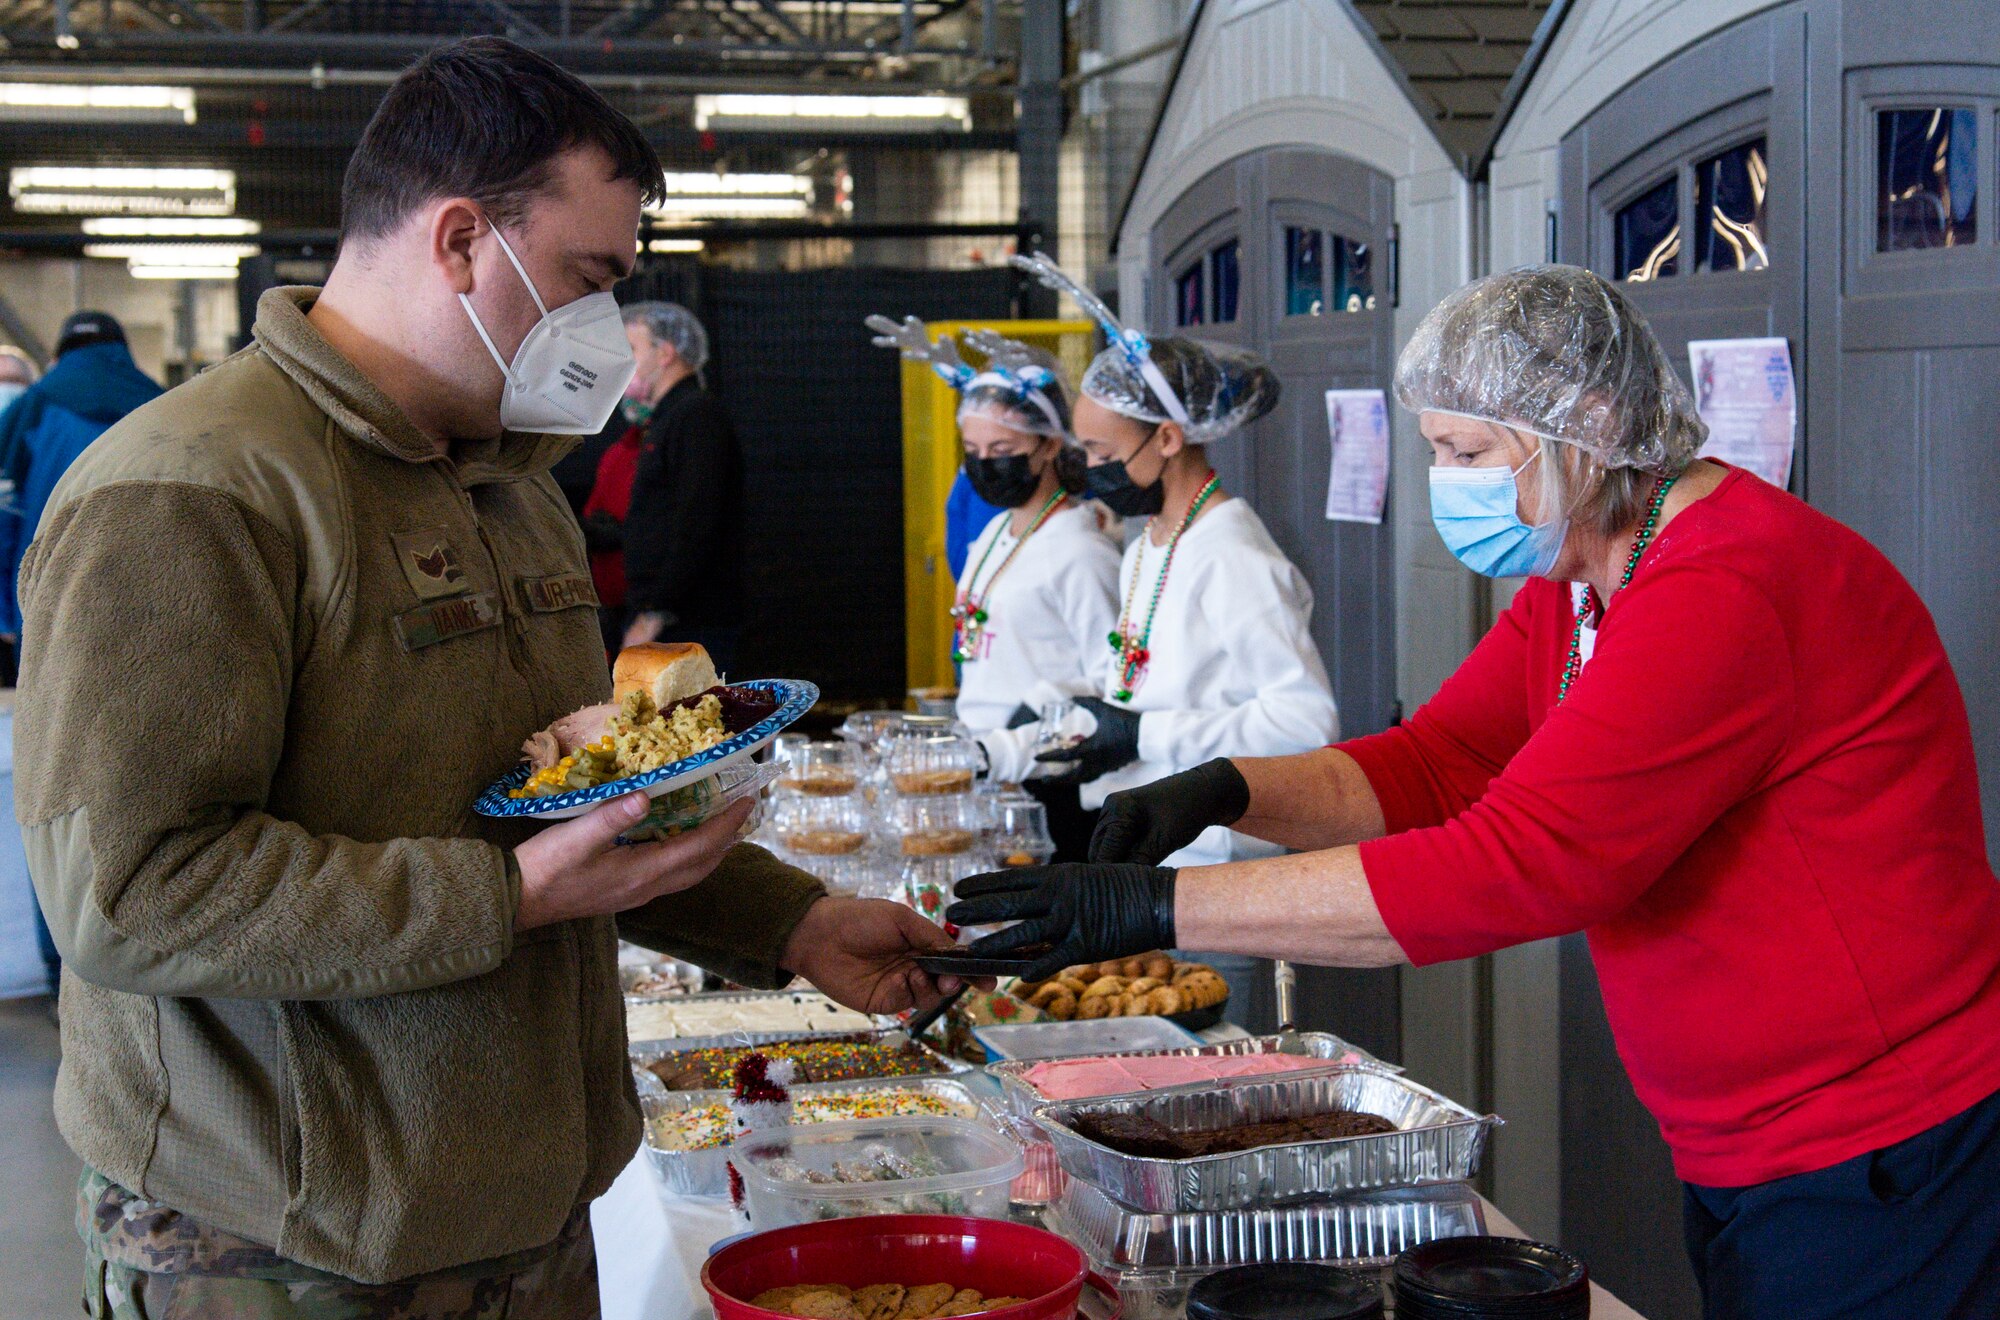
[{"x": 1477, "y": 512}]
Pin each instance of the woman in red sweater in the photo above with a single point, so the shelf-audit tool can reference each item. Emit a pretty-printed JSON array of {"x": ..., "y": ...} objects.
[{"x": 1716, "y": 732}]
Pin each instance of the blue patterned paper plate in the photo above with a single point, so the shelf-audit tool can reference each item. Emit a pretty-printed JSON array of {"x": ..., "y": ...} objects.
[{"x": 794, "y": 700}]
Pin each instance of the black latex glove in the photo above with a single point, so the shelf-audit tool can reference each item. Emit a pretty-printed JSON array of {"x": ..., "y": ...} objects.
[
  {"x": 1086, "y": 912},
  {"x": 602, "y": 533},
  {"x": 1113, "y": 745},
  {"x": 1023, "y": 715},
  {"x": 1150, "y": 822}
]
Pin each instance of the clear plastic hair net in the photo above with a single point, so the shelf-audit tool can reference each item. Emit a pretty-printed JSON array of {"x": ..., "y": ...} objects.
[
  {"x": 1558, "y": 352},
  {"x": 1021, "y": 386},
  {"x": 1222, "y": 388},
  {"x": 1208, "y": 389}
]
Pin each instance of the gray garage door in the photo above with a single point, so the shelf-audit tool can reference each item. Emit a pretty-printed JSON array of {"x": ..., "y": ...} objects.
[
  {"x": 1814, "y": 172},
  {"x": 1284, "y": 252}
]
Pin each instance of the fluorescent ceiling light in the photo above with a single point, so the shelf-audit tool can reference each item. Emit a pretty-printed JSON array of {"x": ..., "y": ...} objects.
[
  {"x": 172, "y": 254},
  {"x": 880, "y": 114},
  {"x": 738, "y": 185},
  {"x": 150, "y": 226},
  {"x": 96, "y": 103},
  {"x": 73, "y": 189},
  {"x": 675, "y": 245},
  {"x": 184, "y": 272},
  {"x": 730, "y": 208}
]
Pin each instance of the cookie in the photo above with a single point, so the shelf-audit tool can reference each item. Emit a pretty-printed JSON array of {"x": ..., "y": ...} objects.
[
  {"x": 825, "y": 1304},
  {"x": 923, "y": 1301},
  {"x": 879, "y": 1301}
]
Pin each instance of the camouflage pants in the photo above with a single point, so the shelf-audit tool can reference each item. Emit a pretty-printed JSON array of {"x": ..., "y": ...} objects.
[{"x": 144, "y": 1261}]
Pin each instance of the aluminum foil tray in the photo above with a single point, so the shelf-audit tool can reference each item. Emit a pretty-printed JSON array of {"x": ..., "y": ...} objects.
[
  {"x": 1436, "y": 1141},
  {"x": 1022, "y": 1098},
  {"x": 1370, "y": 1228},
  {"x": 706, "y": 1172},
  {"x": 731, "y": 997},
  {"x": 644, "y": 1052}
]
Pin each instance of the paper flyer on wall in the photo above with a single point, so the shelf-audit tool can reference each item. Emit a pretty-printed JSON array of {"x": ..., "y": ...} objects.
[
  {"x": 1743, "y": 389},
  {"x": 1357, "y": 422}
]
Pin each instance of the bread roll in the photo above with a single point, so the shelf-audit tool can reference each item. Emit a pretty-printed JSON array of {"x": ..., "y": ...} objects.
[{"x": 670, "y": 671}]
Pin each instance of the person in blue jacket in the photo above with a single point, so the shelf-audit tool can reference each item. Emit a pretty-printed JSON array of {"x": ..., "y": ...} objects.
[{"x": 93, "y": 383}]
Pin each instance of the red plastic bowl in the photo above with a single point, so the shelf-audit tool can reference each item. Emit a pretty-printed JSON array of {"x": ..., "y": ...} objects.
[{"x": 998, "y": 1257}]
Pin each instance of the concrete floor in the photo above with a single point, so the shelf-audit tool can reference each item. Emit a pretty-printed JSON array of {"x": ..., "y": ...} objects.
[{"x": 40, "y": 1258}]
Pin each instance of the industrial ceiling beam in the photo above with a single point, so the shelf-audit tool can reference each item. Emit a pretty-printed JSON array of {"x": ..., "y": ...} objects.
[{"x": 666, "y": 84}]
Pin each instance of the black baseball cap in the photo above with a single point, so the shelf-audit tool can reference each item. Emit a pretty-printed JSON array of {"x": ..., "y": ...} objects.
[{"x": 82, "y": 329}]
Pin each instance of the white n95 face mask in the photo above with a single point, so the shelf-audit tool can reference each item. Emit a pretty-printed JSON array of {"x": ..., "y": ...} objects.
[{"x": 570, "y": 372}]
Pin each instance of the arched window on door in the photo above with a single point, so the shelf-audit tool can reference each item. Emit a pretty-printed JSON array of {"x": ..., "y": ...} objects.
[
  {"x": 1327, "y": 272},
  {"x": 1206, "y": 290},
  {"x": 1731, "y": 191}
]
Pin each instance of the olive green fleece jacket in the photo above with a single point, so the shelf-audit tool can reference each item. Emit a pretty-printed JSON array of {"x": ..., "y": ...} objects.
[{"x": 275, "y": 648}]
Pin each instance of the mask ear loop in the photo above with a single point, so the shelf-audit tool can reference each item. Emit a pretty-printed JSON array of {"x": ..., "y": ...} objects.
[{"x": 506, "y": 367}]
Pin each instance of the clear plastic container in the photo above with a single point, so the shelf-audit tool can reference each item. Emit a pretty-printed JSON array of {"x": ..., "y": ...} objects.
[
  {"x": 939, "y": 701},
  {"x": 926, "y": 826},
  {"x": 1018, "y": 832},
  {"x": 824, "y": 770},
  {"x": 1062, "y": 1040},
  {"x": 821, "y": 827},
  {"x": 867, "y": 728},
  {"x": 930, "y": 756},
  {"x": 883, "y": 1166}
]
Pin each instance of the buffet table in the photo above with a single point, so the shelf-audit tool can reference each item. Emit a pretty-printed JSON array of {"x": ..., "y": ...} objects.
[
  {"x": 650, "y": 1250},
  {"x": 649, "y": 1255}
]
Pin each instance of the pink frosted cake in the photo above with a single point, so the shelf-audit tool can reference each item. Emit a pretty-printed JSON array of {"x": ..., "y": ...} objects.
[{"x": 1075, "y": 1079}]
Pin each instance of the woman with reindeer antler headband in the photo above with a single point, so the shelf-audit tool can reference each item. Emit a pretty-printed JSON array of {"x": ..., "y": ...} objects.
[
  {"x": 1212, "y": 654},
  {"x": 1038, "y": 591}
]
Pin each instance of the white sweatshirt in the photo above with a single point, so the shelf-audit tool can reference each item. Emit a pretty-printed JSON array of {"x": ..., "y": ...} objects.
[
  {"x": 1233, "y": 670},
  {"x": 1047, "y": 617}
]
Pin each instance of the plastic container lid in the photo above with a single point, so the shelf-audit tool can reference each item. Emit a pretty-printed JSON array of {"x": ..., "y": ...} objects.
[
  {"x": 960, "y": 1166},
  {"x": 1061, "y": 1040},
  {"x": 1491, "y": 1277},
  {"x": 1284, "y": 1292}
]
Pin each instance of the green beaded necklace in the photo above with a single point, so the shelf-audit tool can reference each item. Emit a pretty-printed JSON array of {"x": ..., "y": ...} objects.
[
  {"x": 970, "y": 611},
  {"x": 1132, "y": 653},
  {"x": 1590, "y": 604}
]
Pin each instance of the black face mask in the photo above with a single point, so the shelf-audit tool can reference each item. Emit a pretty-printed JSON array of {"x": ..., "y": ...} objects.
[
  {"x": 1008, "y": 481},
  {"x": 1112, "y": 484}
]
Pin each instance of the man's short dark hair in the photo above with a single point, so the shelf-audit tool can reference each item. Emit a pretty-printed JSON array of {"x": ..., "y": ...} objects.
[{"x": 483, "y": 118}]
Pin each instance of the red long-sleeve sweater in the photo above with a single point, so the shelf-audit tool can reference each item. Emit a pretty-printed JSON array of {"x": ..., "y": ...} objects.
[{"x": 1759, "y": 803}]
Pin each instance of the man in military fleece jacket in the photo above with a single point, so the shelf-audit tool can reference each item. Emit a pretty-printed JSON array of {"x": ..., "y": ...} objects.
[{"x": 333, "y": 1044}]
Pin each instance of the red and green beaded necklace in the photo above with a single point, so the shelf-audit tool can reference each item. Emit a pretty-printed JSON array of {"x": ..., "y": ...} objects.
[
  {"x": 1132, "y": 653},
  {"x": 1590, "y": 605},
  {"x": 970, "y": 610}
]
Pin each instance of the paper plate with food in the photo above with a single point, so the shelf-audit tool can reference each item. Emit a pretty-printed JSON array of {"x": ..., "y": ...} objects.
[{"x": 673, "y": 731}]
